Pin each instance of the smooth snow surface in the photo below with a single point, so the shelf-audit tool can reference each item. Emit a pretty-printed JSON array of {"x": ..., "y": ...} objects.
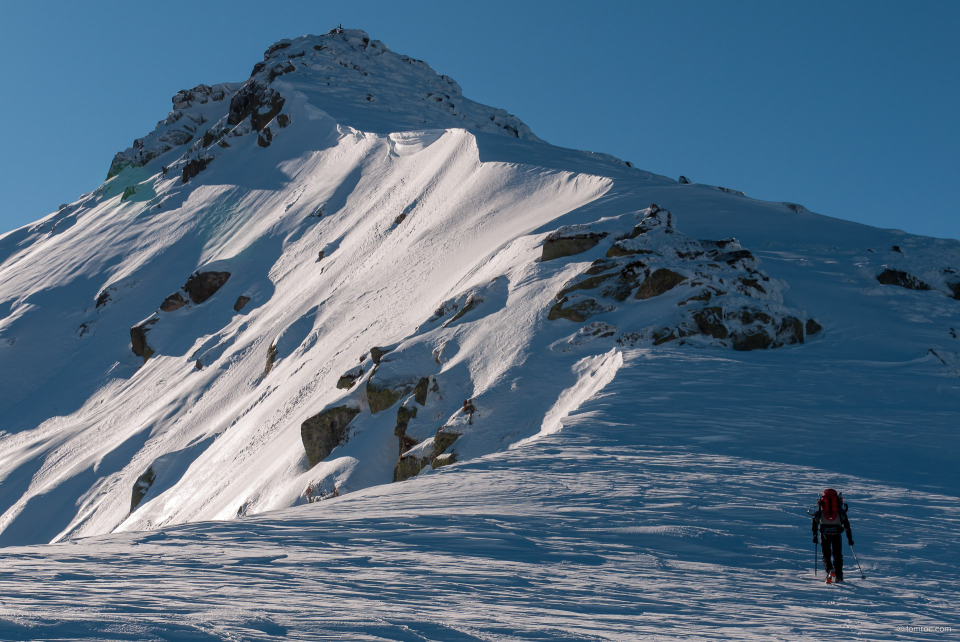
[{"x": 614, "y": 413}]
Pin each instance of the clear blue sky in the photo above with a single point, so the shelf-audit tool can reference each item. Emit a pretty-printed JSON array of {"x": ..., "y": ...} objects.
[{"x": 852, "y": 109}]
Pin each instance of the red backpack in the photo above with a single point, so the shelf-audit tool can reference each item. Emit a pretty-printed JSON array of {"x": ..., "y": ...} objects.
[{"x": 830, "y": 505}]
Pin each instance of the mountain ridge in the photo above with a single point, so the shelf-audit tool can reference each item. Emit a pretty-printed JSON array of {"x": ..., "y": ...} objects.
[{"x": 176, "y": 340}]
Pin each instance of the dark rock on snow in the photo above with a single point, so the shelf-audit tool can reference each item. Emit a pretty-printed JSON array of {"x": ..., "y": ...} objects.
[
  {"x": 241, "y": 303},
  {"x": 173, "y": 302},
  {"x": 325, "y": 431},
  {"x": 557, "y": 246},
  {"x": 662, "y": 280},
  {"x": 902, "y": 279},
  {"x": 203, "y": 285},
  {"x": 140, "y": 488},
  {"x": 138, "y": 339}
]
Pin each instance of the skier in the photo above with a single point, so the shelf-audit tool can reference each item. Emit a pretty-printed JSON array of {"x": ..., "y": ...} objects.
[{"x": 831, "y": 516}]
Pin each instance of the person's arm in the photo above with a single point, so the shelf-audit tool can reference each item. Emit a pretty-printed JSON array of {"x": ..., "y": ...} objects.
[
  {"x": 813, "y": 524},
  {"x": 846, "y": 526}
]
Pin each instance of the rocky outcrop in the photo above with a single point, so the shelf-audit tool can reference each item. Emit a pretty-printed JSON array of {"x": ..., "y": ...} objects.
[
  {"x": 241, "y": 303},
  {"x": 377, "y": 354},
  {"x": 381, "y": 396},
  {"x": 348, "y": 379},
  {"x": 140, "y": 488},
  {"x": 257, "y": 100},
  {"x": 193, "y": 167},
  {"x": 202, "y": 286},
  {"x": 662, "y": 280},
  {"x": 129, "y": 191},
  {"x": 710, "y": 322},
  {"x": 579, "y": 311},
  {"x": 410, "y": 464},
  {"x": 560, "y": 244},
  {"x": 813, "y": 327},
  {"x": 138, "y": 339},
  {"x": 901, "y": 279},
  {"x": 404, "y": 415},
  {"x": 955, "y": 288},
  {"x": 173, "y": 302},
  {"x": 420, "y": 391},
  {"x": 325, "y": 431},
  {"x": 271, "y": 357}
]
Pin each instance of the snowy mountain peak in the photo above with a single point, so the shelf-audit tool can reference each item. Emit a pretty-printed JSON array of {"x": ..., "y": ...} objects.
[{"x": 357, "y": 81}]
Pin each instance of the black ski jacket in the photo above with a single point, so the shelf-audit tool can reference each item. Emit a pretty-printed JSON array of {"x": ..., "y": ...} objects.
[{"x": 832, "y": 529}]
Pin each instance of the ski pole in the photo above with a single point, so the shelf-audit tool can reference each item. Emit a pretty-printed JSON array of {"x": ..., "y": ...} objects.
[
  {"x": 862, "y": 576},
  {"x": 815, "y": 567}
]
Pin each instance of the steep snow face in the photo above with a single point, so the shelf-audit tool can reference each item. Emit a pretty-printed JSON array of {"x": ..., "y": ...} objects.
[{"x": 320, "y": 293}]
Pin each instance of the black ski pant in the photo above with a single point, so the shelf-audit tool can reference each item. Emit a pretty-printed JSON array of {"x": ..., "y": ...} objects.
[{"x": 830, "y": 543}]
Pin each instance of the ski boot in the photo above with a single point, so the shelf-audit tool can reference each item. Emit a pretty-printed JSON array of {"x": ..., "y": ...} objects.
[{"x": 831, "y": 578}]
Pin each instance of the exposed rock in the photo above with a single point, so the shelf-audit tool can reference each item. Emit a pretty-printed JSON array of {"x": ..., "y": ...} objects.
[
  {"x": 377, "y": 353},
  {"x": 902, "y": 279},
  {"x": 404, "y": 415},
  {"x": 795, "y": 207},
  {"x": 410, "y": 465},
  {"x": 579, "y": 311},
  {"x": 813, "y": 327},
  {"x": 198, "y": 365},
  {"x": 202, "y": 286},
  {"x": 320, "y": 255},
  {"x": 194, "y": 167},
  {"x": 753, "y": 284},
  {"x": 955, "y": 288},
  {"x": 684, "y": 180},
  {"x": 128, "y": 192},
  {"x": 283, "y": 120},
  {"x": 662, "y": 280},
  {"x": 173, "y": 302},
  {"x": 710, "y": 322},
  {"x": 102, "y": 298},
  {"x": 558, "y": 245},
  {"x": 790, "y": 331},
  {"x": 257, "y": 100},
  {"x": 420, "y": 391},
  {"x": 471, "y": 303},
  {"x": 731, "y": 191},
  {"x": 241, "y": 303},
  {"x": 140, "y": 488},
  {"x": 599, "y": 266},
  {"x": 138, "y": 339},
  {"x": 348, "y": 379},
  {"x": 617, "y": 249},
  {"x": 271, "y": 357},
  {"x": 586, "y": 284},
  {"x": 265, "y": 137},
  {"x": 444, "y": 460},
  {"x": 896, "y": 248},
  {"x": 443, "y": 440},
  {"x": 382, "y": 396},
  {"x": 755, "y": 339},
  {"x": 400, "y": 219},
  {"x": 325, "y": 431},
  {"x": 703, "y": 296}
]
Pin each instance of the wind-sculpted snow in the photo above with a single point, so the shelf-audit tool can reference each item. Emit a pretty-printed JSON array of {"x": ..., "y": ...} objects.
[
  {"x": 439, "y": 282},
  {"x": 666, "y": 508}
]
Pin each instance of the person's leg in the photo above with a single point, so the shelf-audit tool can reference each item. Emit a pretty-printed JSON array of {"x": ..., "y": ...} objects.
[
  {"x": 825, "y": 549},
  {"x": 838, "y": 555}
]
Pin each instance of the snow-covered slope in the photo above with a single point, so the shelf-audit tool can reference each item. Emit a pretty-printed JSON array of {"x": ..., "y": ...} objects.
[{"x": 342, "y": 273}]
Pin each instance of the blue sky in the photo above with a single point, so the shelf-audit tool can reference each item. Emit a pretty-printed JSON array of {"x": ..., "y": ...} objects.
[{"x": 850, "y": 109}]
